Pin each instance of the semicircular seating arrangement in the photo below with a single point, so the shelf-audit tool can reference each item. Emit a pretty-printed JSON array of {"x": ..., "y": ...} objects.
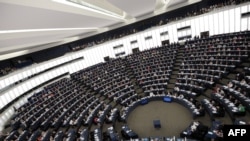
[
  {"x": 235, "y": 96},
  {"x": 152, "y": 68},
  {"x": 207, "y": 60},
  {"x": 87, "y": 104}
]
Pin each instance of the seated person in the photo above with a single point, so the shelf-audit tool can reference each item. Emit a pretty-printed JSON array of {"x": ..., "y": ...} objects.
[
  {"x": 241, "y": 108},
  {"x": 231, "y": 98},
  {"x": 169, "y": 93},
  {"x": 175, "y": 95},
  {"x": 221, "y": 92},
  {"x": 220, "y": 111},
  {"x": 201, "y": 110},
  {"x": 96, "y": 120},
  {"x": 243, "y": 82},
  {"x": 181, "y": 96},
  {"x": 194, "y": 126},
  {"x": 151, "y": 94},
  {"x": 176, "y": 89},
  {"x": 230, "y": 84},
  {"x": 219, "y": 132},
  {"x": 236, "y": 102},
  {"x": 212, "y": 102}
]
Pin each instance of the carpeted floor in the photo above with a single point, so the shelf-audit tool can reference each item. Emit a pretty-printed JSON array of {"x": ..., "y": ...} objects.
[{"x": 173, "y": 116}]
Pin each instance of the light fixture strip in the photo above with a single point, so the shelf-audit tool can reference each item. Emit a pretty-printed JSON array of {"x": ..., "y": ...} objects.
[
  {"x": 90, "y": 7},
  {"x": 83, "y": 3}
]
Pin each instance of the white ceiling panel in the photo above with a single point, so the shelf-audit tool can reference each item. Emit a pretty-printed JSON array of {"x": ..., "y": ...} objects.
[
  {"x": 175, "y": 2},
  {"x": 22, "y": 17},
  {"x": 13, "y": 44},
  {"x": 135, "y": 7},
  {"x": 39, "y": 24}
]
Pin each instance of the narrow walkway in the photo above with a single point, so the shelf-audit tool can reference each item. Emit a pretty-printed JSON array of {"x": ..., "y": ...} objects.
[
  {"x": 132, "y": 77},
  {"x": 176, "y": 68}
]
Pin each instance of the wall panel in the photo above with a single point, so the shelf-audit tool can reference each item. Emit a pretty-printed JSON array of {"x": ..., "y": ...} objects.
[
  {"x": 216, "y": 23},
  {"x": 201, "y": 24},
  {"x": 232, "y": 20},
  {"x": 237, "y": 19},
  {"x": 226, "y": 21},
  {"x": 221, "y": 22},
  {"x": 193, "y": 28},
  {"x": 197, "y": 26}
]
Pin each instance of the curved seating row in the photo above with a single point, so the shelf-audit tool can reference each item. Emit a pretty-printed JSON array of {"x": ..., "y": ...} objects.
[
  {"x": 110, "y": 79},
  {"x": 213, "y": 110},
  {"x": 196, "y": 130},
  {"x": 152, "y": 68},
  {"x": 183, "y": 101},
  {"x": 230, "y": 107},
  {"x": 207, "y": 60},
  {"x": 239, "y": 96}
]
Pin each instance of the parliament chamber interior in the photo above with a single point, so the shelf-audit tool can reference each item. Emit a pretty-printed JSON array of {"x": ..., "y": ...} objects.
[{"x": 177, "y": 76}]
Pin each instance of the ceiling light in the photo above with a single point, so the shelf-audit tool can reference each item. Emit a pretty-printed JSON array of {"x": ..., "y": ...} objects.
[
  {"x": 40, "y": 30},
  {"x": 90, "y": 7}
]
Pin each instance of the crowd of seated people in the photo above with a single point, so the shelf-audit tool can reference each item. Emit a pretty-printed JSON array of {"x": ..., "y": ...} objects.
[
  {"x": 129, "y": 100},
  {"x": 247, "y": 71},
  {"x": 242, "y": 82},
  {"x": 96, "y": 135},
  {"x": 112, "y": 115},
  {"x": 239, "y": 95},
  {"x": 110, "y": 79},
  {"x": 92, "y": 113},
  {"x": 237, "y": 91},
  {"x": 70, "y": 134},
  {"x": 215, "y": 132},
  {"x": 152, "y": 68},
  {"x": 230, "y": 100},
  {"x": 111, "y": 134},
  {"x": 60, "y": 104},
  {"x": 65, "y": 103},
  {"x": 213, "y": 108},
  {"x": 128, "y": 133},
  {"x": 196, "y": 130},
  {"x": 206, "y": 61},
  {"x": 102, "y": 114}
]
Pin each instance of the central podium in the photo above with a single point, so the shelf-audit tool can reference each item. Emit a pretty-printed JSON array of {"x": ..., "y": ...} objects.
[{"x": 157, "y": 123}]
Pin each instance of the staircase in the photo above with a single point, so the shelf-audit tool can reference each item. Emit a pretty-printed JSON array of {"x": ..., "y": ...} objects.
[
  {"x": 176, "y": 68},
  {"x": 132, "y": 77}
]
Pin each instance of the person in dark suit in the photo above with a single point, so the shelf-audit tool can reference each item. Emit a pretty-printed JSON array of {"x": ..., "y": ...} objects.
[{"x": 219, "y": 132}]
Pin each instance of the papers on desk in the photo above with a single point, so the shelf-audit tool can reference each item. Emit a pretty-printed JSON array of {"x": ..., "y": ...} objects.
[
  {"x": 242, "y": 122},
  {"x": 235, "y": 108}
]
